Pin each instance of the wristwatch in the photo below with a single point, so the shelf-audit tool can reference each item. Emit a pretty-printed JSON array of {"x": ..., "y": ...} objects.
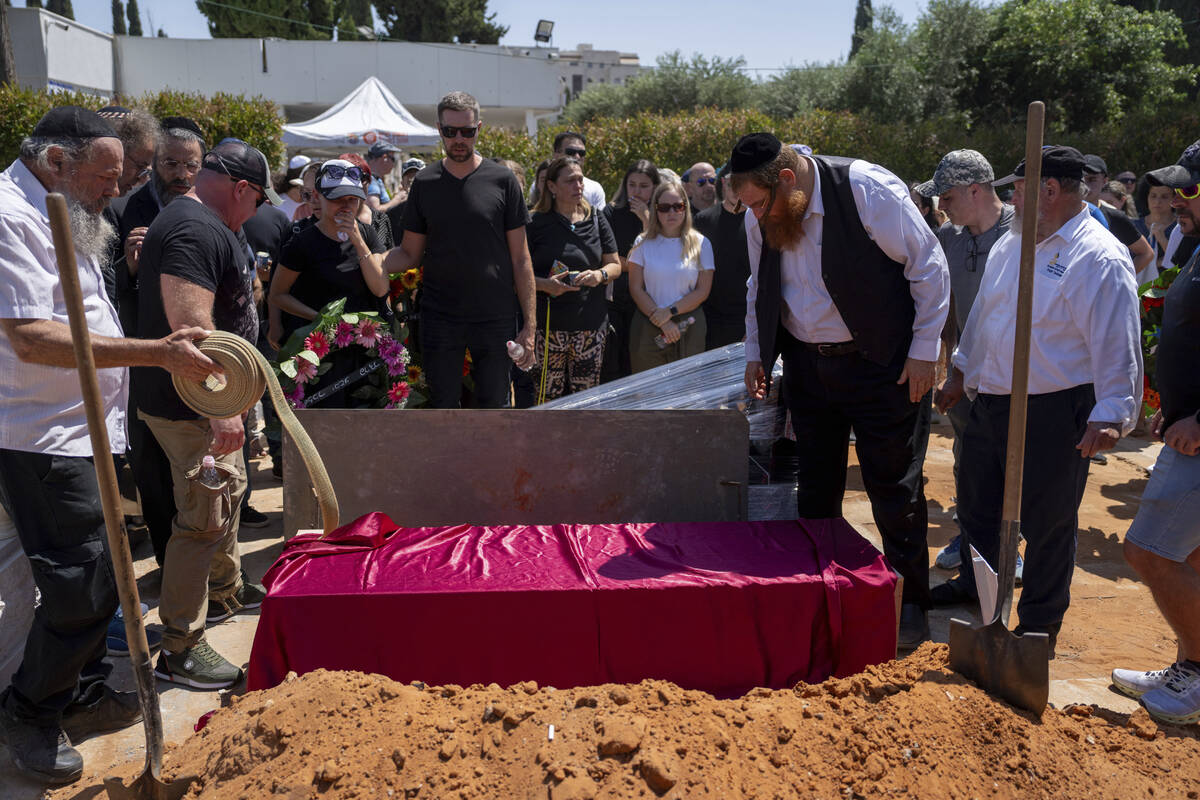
[{"x": 674, "y": 311}]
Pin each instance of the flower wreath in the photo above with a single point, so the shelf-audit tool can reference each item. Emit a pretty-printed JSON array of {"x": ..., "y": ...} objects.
[{"x": 1152, "y": 295}]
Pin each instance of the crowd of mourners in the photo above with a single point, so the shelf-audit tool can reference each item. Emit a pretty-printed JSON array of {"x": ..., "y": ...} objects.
[{"x": 884, "y": 300}]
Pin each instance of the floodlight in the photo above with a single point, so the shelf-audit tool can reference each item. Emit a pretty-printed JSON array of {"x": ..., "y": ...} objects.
[{"x": 544, "y": 30}]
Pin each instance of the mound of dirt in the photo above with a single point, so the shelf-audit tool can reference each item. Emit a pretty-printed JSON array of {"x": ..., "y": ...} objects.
[{"x": 906, "y": 728}]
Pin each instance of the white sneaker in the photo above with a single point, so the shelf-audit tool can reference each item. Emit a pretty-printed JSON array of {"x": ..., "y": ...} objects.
[
  {"x": 1179, "y": 700},
  {"x": 1135, "y": 684}
]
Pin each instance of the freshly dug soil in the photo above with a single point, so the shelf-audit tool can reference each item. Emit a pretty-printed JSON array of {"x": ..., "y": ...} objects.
[{"x": 906, "y": 728}]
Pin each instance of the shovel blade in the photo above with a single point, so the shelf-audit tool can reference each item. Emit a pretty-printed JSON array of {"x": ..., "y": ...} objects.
[
  {"x": 148, "y": 787},
  {"x": 1014, "y": 668}
]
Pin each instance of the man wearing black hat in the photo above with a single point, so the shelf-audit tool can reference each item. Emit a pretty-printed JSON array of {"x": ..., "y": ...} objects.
[
  {"x": 1085, "y": 385},
  {"x": 47, "y": 479},
  {"x": 847, "y": 281},
  {"x": 195, "y": 271},
  {"x": 1163, "y": 544}
]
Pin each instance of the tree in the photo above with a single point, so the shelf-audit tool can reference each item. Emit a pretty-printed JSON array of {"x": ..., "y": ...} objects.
[
  {"x": 33, "y": 3},
  {"x": 61, "y": 7},
  {"x": 118, "y": 12},
  {"x": 135, "y": 18},
  {"x": 863, "y": 20},
  {"x": 161, "y": 34},
  {"x": 439, "y": 21},
  {"x": 1189, "y": 18},
  {"x": 283, "y": 19}
]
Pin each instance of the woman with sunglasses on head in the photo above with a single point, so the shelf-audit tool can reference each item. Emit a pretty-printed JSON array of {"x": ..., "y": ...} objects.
[
  {"x": 670, "y": 276},
  {"x": 337, "y": 256},
  {"x": 379, "y": 220},
  {"x": 574, "y": 257},
  {"x": 627, "y": 215}
]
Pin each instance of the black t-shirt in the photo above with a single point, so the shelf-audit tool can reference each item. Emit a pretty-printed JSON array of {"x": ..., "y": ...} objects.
[
  {"x": 395, "y": 215},
  {"x": 579, "y": 246},
  {"x": 267, "y": 230},
  {"x": 189, "y": 241},
  {"x": 329, "y": 270},
  {"x": 1178, "y": 352},
  {"x": 626, "y": 227},
  {"x": 1120, "y": 226},
  {"x": 727, "y": 232},
  {"x": 468, "y": 269}
]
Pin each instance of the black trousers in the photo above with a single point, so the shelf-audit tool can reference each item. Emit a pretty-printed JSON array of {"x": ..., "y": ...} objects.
[
  {"x": 828, "y": 395},
  {"x": 152, "y": 476},
  {"x": 443, "y": 347},
  {"x": 616, "y": 347},
  {"x": 54, "y": 503},
  {"x": 1051, "y": 491}
]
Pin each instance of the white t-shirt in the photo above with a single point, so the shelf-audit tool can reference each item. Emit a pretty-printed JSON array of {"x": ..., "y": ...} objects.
[
  {"x": 593, "y": 192},
  {"x": 288, "y": 206},
  {"x": 667, "y": 276}
]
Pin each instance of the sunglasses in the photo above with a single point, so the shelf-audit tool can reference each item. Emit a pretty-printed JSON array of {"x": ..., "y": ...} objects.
[
  {"x": 706, "y": 181},
  {"x": 467, "y": 131},
  {"x": 574, "y": 152},
  {"x": 261, "y": 195},
  {"x": 667, "y": 208},
  {"x": 1189, "y": 192},
  {"x": 337, "y": 172}
]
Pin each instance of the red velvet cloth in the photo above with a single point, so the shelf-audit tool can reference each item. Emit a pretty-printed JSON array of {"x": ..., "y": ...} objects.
[{"x": 718, "y": 606}]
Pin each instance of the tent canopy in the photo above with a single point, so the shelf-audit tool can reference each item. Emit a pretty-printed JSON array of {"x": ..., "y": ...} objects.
[{"x": 369, "y": 114}]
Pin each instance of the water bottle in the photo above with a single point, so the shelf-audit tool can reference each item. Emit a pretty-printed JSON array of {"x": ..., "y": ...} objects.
[
  {"x": 661, "y": 339},
  {"x": 516, "y": 351},
  {"x": 208, "y": 472}
]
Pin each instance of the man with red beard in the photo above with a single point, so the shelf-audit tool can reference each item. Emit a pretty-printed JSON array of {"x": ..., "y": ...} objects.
[{"x": 848, "y": 283}]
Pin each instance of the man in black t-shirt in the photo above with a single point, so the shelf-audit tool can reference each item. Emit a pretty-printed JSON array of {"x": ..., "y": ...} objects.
[
  {"x": 724, "y": 225},
  {"x": 1163, "y": 544},
  {"x": 465, "y": 223},
  {"x": 195, "y": 271},
  {"x": 1095, "y": 175}
]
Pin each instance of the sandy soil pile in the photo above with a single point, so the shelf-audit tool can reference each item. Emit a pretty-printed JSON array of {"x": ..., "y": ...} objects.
[{"x": 907, "y": 728}]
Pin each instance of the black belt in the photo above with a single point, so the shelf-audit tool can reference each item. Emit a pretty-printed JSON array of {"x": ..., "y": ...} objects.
[{"x": 834, "y": 349}]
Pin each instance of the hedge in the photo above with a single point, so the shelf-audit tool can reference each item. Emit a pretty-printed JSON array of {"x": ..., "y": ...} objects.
[
  {"x": 911, "y": 151},
  {"x": 256, "y": 120}
]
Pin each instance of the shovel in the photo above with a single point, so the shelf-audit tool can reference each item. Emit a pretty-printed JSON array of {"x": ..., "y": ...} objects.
[
  {"x": 1013, "y": 668},
  {"x": 148, "y": 786}
]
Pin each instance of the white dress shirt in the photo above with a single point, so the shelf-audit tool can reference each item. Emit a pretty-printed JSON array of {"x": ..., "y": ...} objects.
[
  {"x": 41, "y": 407},
  {"x": 1086, "y": 325},
  {"x": 895, "y": 225}
]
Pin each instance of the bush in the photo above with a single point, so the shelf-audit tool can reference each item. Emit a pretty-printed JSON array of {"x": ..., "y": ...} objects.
[{"x": 256, "y": 120}]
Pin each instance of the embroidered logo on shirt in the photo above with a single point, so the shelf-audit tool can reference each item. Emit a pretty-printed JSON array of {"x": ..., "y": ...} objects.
[{"x": 1054, "y": 269}]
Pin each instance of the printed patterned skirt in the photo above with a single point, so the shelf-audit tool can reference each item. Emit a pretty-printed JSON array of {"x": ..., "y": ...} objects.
[{"x": 572, "y": 363}]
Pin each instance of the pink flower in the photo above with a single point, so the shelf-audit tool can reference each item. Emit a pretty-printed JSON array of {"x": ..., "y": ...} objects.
[
  {"x": 305, "y": 370},
  {"x": 344, "y": 334},
  {"x": 398, "y": 394},
  {"x": 295, "y": 397},
  {"x": 368, "y": 333},
  {"x": 318, "y": 342}
]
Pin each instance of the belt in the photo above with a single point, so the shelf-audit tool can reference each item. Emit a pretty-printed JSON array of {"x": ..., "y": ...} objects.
[{"x": 834, "y": 349}]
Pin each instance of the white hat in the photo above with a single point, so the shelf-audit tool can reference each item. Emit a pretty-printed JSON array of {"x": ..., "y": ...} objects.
[{"x": 298, "y": 161}]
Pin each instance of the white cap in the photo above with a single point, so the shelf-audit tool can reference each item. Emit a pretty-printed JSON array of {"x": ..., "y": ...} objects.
[{"x": 298, "y": 161}]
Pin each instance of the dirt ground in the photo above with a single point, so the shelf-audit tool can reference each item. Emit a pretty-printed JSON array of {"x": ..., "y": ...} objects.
[{"x": 1112, "y": 622}]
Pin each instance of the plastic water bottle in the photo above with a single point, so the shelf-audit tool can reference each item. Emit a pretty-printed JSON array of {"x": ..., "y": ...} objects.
[
  {"x": 208, "y": 472},
  {"x": 661, "y": 339},
  {"x": 516, "y": 351}
]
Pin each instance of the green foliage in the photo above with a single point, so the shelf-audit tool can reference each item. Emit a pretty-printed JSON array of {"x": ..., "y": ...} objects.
[
  {"x": 1186, "y": 10},
  {"x": 255, "y": 120},
  {"x": 864, "y": 18},
  {"x": 33, "y": 3},
  {"x": 439, "y": 21},
  {"x": 118, "y": 15},
  {"x": 61, "y": 7},
  {"x": 135, "y": 18},
  {"x": 284, "y": 19}
]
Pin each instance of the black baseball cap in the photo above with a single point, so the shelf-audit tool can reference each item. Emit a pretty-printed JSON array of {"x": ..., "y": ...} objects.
[
  {"x": 243, "y": 162},
  {"x": 73, "y": 122},
  {"x": 1057, "y": 162},
  {"x": 1183, "y": 173},
  {"x": 380, "y": 148},
  {"x": 753, "y": 150},
  {"x": 1094, "y": 165}
]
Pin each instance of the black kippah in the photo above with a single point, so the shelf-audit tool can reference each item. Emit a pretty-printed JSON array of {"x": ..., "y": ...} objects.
[
  {"x": 114, "y": 112},
  {"x": 72, "y": 122},
  {"x": 186, "y": 123},
  {"x": 753, "y": 150}
]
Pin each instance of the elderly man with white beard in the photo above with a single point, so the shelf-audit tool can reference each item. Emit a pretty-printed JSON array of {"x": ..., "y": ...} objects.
[{"x": 47, "y": 482}]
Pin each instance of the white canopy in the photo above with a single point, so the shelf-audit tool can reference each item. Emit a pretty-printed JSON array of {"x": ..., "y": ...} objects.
[{"x": 369, "y": 114}]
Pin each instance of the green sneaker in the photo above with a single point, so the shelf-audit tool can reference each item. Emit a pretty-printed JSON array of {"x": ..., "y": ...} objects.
[
  {"x": 199, "y": 666},
  {"x": 251, "y": 595}
]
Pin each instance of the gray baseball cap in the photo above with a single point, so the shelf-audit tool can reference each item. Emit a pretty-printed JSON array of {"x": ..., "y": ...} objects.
[
  {"x": 1184, "y": 172},
  {"x": 957, "y": 168}
]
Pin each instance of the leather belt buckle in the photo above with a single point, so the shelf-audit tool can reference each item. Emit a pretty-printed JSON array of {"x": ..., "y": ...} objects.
[{"x": 829, "y": 349}]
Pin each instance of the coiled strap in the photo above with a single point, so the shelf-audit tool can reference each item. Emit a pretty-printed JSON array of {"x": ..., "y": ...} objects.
[{"x": 247, "y": 374}]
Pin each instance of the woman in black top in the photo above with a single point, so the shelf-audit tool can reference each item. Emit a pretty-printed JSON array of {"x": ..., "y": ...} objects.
[
  {"x": 574, "y": 257},
  {"x": 627, "y": 215},
  {"x": 338, "y": 256}
]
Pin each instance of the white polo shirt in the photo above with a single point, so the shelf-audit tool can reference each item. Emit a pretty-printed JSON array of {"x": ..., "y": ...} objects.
[{"x": 41, "y": 407}]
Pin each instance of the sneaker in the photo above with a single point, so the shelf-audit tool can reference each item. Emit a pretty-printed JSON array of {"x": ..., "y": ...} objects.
[
  {"x": 253, "y": 518},
  {"x": 112, "y": 712},
  {"x": 277, "y": 467},
  {"x": 199, "y": 666},
  {"x": 251, "y": 595},
  {"x": 43, "y": 753},
  {"x": 1135, "y": 684},
  {"x": 950, "y": 557},
  {"x": 116, "y": 641},
  {"x": 1099, "y": 458},
  {"x": 1178, "y": 700}
]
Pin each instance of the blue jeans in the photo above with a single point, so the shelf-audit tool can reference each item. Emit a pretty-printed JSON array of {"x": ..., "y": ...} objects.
[{"x": 443, "y": 347}]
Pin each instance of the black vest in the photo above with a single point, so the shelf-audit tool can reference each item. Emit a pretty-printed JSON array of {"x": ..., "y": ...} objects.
[{"x": 868, "y": 288}]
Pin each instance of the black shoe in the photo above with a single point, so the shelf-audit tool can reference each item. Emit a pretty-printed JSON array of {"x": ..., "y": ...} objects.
[
  {"x": 950, "y": 593},
  {"x": 1051, "y": 632},
  {"x": 914, "y": 627},
  {"x": 112, "y": 712},
  {"x": 40, "y": 752},
  {"x": 277, "y": 467},
  {"x": 253, "y": 518}
]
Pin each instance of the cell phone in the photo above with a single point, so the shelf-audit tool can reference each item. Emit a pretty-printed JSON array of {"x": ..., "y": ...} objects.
[{"x": 572, "y": 277}]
